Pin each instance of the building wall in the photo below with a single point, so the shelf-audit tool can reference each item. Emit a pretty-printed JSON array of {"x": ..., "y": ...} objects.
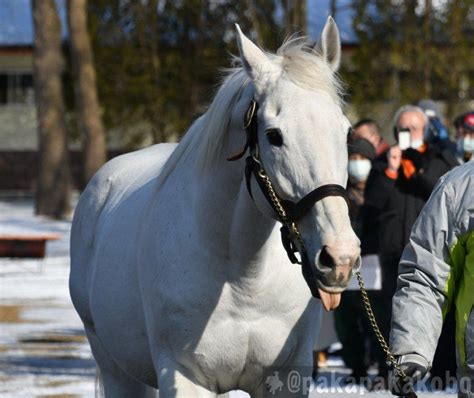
[
  {"x": 18, "y": 128},
  {"x": 16, "y": 60}
]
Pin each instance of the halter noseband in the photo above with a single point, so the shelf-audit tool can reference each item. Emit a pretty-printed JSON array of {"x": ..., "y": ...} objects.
[{"x": 287, "y": 211}]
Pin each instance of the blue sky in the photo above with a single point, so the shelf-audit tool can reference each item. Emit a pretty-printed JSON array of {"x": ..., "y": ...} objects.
[
  {"x": 16, "y": 25},
  {"x": 318, "y": 11}
]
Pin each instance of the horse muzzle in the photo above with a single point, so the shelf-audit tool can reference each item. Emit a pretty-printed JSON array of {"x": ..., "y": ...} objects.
[{"x": 334, "y": 268}]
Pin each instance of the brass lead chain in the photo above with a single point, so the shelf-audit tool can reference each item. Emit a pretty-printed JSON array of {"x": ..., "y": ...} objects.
[
  {"x": 279, "y": 208},
  {"x": 365, "y": 298},
  {"x": 274, "y": 198},
  {"x": 373, "y": 322}
]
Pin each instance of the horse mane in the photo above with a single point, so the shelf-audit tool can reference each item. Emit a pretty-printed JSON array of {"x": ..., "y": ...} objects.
[{"x": 300, "y": 63}]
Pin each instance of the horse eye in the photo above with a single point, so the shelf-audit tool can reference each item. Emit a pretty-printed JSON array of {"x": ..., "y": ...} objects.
[{"x": 274, "y": 137}]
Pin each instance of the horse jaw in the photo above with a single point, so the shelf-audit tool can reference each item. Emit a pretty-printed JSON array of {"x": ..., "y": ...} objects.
[{"x": 330, "y": 300}]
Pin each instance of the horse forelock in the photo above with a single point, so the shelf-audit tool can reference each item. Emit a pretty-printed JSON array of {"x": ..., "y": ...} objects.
[
  {"x": 207, "y": 135},
  {"x": 305, "y": 67}
]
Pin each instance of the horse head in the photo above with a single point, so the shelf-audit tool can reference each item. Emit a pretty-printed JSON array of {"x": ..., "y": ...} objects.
[{"x": 301, "y": 144}]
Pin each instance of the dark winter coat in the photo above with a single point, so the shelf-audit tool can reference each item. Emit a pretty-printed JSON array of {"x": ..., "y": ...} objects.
[{"x": 392, "y": 206}]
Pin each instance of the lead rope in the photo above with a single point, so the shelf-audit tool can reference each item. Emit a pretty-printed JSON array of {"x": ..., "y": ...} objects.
[{"x": 365, "y": 298}]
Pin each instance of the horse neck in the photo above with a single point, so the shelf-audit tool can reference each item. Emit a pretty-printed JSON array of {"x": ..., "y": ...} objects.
[{"x": 228, "y": 219}]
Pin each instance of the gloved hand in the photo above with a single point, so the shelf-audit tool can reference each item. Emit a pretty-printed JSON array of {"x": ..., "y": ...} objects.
[
  {"x": 415, "y": 367},
  {"x": 416, "y": 157}
]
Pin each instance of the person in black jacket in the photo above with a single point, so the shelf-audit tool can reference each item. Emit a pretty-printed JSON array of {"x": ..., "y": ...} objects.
[{"x": 398, "y": 186}]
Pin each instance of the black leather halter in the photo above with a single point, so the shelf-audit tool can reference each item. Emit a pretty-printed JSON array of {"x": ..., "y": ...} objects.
[{"x": 294, "y": 211}]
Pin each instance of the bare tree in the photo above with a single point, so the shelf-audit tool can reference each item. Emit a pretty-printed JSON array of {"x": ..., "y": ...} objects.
[
  {"x": 295, "y": 16},
  {"x": 53, "y": 185},
  {"x": 333, "y": 8},
  {"x": 86, "y": 99},
  {"x": 426, "y": 60},
  {"x": 261, "y": 16}
]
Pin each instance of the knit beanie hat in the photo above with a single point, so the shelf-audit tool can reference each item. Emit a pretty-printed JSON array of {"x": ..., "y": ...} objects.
[{"x": 362, "y": 147}]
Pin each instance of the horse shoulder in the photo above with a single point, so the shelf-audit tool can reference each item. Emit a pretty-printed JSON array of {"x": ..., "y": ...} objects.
[
  {"x": 111, "y": 185},
  {"x": 122, "y": 174}
]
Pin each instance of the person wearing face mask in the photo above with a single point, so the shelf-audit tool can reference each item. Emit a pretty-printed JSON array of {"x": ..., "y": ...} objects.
[
  {"x": 465, "y": 137},
  {"x": 352, "y": 326},
  {"x": 398, "y": 186},
  {"x": 361, "y": 154},
  {"x": 370, "y": 130}
]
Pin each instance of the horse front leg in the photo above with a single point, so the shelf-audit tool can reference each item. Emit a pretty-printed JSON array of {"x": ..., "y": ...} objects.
[
  {"x": 113, "y": 381},
  {"x": 174, "y": 384}
]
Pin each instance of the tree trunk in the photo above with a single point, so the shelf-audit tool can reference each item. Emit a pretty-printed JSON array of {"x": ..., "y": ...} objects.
[
  {"x": 53, "y": 185},
  {"x": 427, "y": 53},
  {"x": 333, "y": 9},
  {"x": 261, "y": 16},
  {"x": 86, "y": 99},
  {"x": 303, "y": 17},
  {"x": 296, "y": 16},
  {"x": 254, "y": 19}
]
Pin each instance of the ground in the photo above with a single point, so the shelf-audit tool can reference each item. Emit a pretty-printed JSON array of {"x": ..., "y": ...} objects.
[{"x": 43, "y": 349}]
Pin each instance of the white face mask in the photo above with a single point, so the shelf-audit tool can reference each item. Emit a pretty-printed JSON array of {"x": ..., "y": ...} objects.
[
  {"x": 359, "y": 169},
  {"x": 416, "y": 144},
  {"x": 468, "y": 144}
]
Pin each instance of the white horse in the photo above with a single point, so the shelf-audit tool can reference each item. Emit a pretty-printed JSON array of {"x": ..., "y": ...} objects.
[{"x": 179, "y": 274}]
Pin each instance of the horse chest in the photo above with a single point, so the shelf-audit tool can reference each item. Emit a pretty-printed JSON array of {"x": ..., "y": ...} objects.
[{"x": 239, "y": 340}]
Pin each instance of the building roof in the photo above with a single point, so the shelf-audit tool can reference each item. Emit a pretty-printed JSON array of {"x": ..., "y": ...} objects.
[{"x": 16, "y": 28}]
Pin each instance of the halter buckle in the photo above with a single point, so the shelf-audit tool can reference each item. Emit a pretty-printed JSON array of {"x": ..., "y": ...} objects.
[{"x": 250, "y": 113}]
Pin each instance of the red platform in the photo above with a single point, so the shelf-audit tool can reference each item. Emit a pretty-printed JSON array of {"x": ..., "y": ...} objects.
[{"x": 25, "y": 246}]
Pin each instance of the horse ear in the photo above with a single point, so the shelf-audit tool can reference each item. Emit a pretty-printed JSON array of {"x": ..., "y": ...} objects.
[
  {"x": 254, "y": 60},
  {"x": 329, "y": 45}
]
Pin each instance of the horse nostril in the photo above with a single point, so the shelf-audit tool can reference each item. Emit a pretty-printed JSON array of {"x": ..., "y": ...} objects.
[{"x": 325, "y": 259}]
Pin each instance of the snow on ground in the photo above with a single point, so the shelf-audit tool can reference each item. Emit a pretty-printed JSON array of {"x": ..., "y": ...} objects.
[{"x": 43, "y": 349}]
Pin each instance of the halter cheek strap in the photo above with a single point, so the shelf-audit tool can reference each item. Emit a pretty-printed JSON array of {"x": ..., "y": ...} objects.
[{"x": 287, "y": 211}]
